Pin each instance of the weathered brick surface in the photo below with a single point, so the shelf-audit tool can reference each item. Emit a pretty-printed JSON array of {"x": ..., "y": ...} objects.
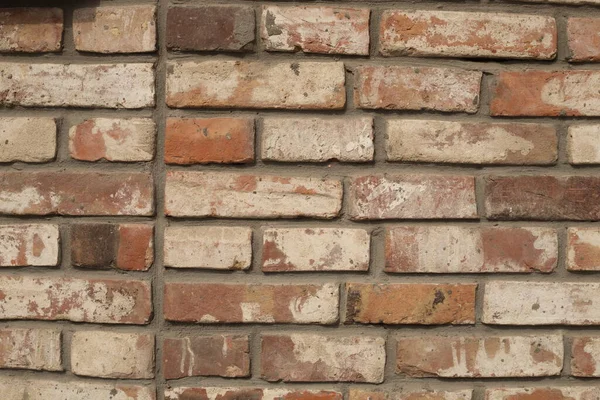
[
  {"x": 457, "y": 249},
  {"x": 459, "y": 34},
  {"x": 411, "y": 196},
  {"x": 412, "y": 88},
  {"x": 37, "y": 349},
  {"x": 27, "y": 139},
  {"x": 303, "y": 357},
  {"x": 259, "y": 393},
  {"x": 234, "y": 195},
  {"x": 73, "y": 299},
  {"x": 584, "y": 144},
  {"x": 210, "y": 28},
  {"x": 408, "y": 303},
  {"x": 216, "y": 355},
  {"x": 306, "y": 249},
  {"x": 583, "y": 39},
  {"x": 30, "y": 30},
  {"x": 76, "y": 193},
  {"x": 541, "y": 303},
  {"x": 77, "y": 85},
  {"x": 480, "y": 356},
  {"x": 360, "y": 394},
  {"x": 203, "y": 303},
  {"x": 115, "y": 29},
  {"x": 29, "y": 244},
  {"x": 317, "y": 139},
  {"x": 208, "y": 247},
  {"x": 558, "y": 393},
  {"x": 113, "y": 139},
  {"x": 209, "y": 140},
  {"x": 112, "y": 355},
  {"x": 38, "y": 389},
  {"x": 470, "y": 143},
  {"x": 316, "y": 29},
  {"x": 583, "y": 249},
  {"x": 253, "y": 84}
]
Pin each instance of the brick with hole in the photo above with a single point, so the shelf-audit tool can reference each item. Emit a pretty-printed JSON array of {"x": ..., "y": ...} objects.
[
  {"x": 544, "y": 392},
  {"x": 259, "y": 393},
  {"x": 30, "y": 29},
  {"x": 112, "y": 354},
  {"x": 316, "y": 29},
  {"x": 585, "y": 356},
  {"x": 209, "y": 140},
  {"x": 27, "y": 139},
  {"x": 407, "y": 394},
  {"x": 24, "y": 245},
  {"x": 583, "y": 249},
  {"x": 251, "y": 303},
  {"x": 31, "y": 348},
  {"x": 215, "y": 355},
  {"x": 583, "y": 39},
  {"x": 208, "y": 247},
  {"x": 583, "y": 144},
  {"x": 14, "y": 388},
  {"x": 304, "y": 357}
]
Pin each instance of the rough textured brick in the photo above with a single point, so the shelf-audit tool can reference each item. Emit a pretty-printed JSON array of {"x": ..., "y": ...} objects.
[
  {"x": 29, "y": 244},
  {"x": 113, "y": 139},
  {"x": 126, "y": 247},
  {"x": 77, "y": 85},
  {"x": 37, "y": 349},
  {"x": 544, "y": 393},
  {"x": 317, "y": 139},
  {"x": 253, "y": 303},
  {"x": 583, "y": 39},
  {"x": 112, "y": 355},
  {"x": 20, "y": 389},
  {"x": 209, "y": 140},
  {"x": 30, "y": 30},
  {"x": 461, "y": 34},
  {"x": 219, "y": 393},
  {"x": 216, "y": 355},
  {"x": 480, "y": 356},
  {"x": 470, "y": 142},
  {"x": 255, "y": 84},
  {"x": 541, "y": 303},
  {"x": 316, "y": 358},
  {"x": 315, "y": 29},
  {"x": 546, "y": 93},
  {"x": 312, "y": 249},
  {"x": 410, "y": 196},
  {"x": 27, "y": 139},
  {"x": 76, "y": 193},
  {"x": 408, "y": 303},
  {"x": 583, "y": 143},
  {"x": 208, "y": 247},
  {"x": 457, "y": 249},
  {"x": 411, "y": 88},
  {"x": 210, "y": 27},
  {"x": 585, "y": 356},
  {"x": 115, "y": 29},
  {"x": 233, "y": 195},
  {"x": 543, "y": 197},
  {"x": 80, "y": 300},
  {"x": 583, "y": 249},
  {"x": 359, "y": 394}
]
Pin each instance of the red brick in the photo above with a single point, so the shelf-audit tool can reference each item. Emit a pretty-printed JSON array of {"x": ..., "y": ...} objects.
[
  {"x": 234, "y": 195},
  {"x": 470, "y": 142},
  {"x": 254, "y": 393},
  {"x": 543, "y": 198},
  {"x": 30, "y": 30},
  {"x": 27, "y": 139},
  {"x": 583, "y": 144},
  {"x": 255, "y": 84},
  {"x": 22, "y": 389},
  {"x": 459, "y": 34},
  {"x": 411, "y": 196},
  {"x": 29, "y": 244},
  {"x": 583, "y": 249},
  {"x": 546, "y": 94},
  {"x": 583, "y": 39},
  {"x": 37, "y": 349},
  {"x": 209, "y": 140},
  {"x": 410, "y": 303},
  {"x": 314, "y": 29},
  {"x": 585, "y": 356},
  {"x": 411, "y": 88},
  {"x": 79, "y": 300},
  {"x": 76, "y": 193},
  {"x": 359, "y": 394},
  {"x": 216, "y": 355},
  {"x": 77, "y": 85},
  {"x": 479, "y": 356},
  {"x": 251, "y": 303},
  {"x": 457, "y": 249},
  {"x": 544, "y": 393},
  {"x": 210, "y": 28},
  {"x": 304, "y": 357}
]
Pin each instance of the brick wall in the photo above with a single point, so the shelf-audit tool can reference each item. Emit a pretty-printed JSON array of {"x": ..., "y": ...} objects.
[{"x": 260, "y": 200}]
